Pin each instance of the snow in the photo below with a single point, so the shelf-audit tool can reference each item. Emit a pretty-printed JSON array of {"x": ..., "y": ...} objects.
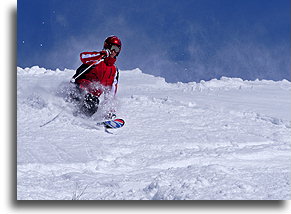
[{"x": 218, "y": 139}]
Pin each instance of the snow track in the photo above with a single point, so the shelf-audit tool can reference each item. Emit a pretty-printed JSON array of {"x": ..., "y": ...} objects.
[{"x": 221, "y": 139}]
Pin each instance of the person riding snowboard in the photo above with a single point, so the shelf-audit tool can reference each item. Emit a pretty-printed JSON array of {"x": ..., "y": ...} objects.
[{"x": 97, "y": 75}]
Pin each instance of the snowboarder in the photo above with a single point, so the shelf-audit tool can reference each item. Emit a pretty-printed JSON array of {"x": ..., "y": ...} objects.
[{"x": 97, "y": 75}]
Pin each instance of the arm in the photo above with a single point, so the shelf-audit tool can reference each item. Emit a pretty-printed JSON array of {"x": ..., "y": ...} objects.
[
  {"x": 109, "y": 94},
  {"x": 91, "y": 57},
  {"x": 115, "y": 82}
]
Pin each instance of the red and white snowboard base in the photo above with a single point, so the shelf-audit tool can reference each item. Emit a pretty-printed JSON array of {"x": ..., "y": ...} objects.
[{"x": 112, "y": 124}]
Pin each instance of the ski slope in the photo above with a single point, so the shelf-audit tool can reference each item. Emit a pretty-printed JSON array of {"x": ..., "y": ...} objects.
[{"x": 219, "y": 139}]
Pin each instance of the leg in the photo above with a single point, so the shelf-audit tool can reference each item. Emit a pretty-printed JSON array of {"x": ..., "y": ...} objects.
[
  {"x": 90, "y": 105},
  {"x": 74, "y": 94}
]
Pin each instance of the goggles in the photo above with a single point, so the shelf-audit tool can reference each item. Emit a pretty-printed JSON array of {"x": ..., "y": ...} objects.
[{"x": 115, "y": 48}]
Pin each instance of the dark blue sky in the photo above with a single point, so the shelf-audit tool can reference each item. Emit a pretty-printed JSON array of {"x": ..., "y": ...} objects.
[{"x": 187, "y": 40}]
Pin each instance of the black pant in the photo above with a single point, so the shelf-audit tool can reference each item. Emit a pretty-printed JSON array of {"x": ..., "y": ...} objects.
[
  {"x": 89, "y": 105},
  {"x": 86, "y": 103}
]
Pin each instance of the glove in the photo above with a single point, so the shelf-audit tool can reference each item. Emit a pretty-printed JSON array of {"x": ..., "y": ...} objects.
[{"x": 105, "y": 53}]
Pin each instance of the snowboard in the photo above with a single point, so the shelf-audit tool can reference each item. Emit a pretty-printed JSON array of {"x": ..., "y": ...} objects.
[{"x": 112, "y": 124}]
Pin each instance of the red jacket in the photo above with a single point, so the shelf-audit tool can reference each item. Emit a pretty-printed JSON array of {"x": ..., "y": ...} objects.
[{"x": 101, "y": 77}]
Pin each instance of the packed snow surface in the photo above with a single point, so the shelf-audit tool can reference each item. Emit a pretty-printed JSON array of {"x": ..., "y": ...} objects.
[{"x": 218, "y": 139}]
